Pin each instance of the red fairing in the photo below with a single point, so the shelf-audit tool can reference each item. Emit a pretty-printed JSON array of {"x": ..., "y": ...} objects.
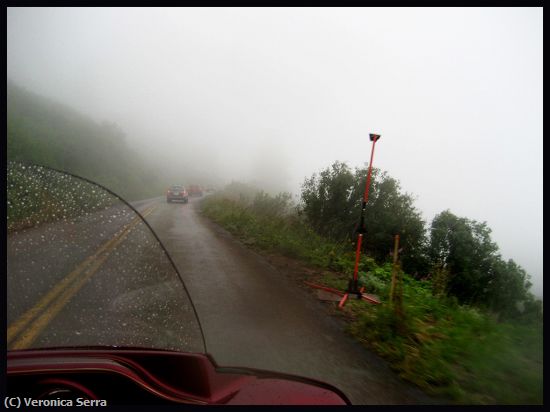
[
  {"x": 128, "y": 376},
  {"x": 282, "y": 392}
]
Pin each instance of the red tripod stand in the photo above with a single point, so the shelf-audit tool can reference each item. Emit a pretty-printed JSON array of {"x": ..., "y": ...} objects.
[{"x": 353, "y": 287}]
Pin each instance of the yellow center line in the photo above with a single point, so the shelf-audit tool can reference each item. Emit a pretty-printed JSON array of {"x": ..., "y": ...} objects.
[
  {"x": 65, "y": 286},
  {"x": 24, "y": 319}
]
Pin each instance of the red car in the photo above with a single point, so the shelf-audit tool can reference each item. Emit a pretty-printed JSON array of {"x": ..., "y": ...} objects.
[{"x": 195, "y": 190}]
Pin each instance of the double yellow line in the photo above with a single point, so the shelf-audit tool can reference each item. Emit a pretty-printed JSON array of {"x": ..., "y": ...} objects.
[{"x": 20, "y": 335}]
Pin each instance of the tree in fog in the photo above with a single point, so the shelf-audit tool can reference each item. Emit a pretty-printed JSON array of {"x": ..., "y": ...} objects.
[
  {"x": 331, "y": 203},
  {"x": 475, "y": 271}
]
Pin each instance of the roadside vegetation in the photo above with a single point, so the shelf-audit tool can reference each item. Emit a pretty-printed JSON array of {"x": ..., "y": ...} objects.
[{"x": 463, "y": 324}]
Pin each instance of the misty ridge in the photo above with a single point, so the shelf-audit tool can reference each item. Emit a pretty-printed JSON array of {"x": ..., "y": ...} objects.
[
  {"x": 45, "y": 132},
  {"x": 53, "y": 134}
]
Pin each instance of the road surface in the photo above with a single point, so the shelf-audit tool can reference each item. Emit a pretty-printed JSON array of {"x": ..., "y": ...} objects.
[{"x": 252, "y": 314}]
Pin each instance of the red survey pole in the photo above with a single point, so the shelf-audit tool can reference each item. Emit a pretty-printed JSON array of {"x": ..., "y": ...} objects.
[
  {"x": 374, "y": 138},
  {"x": 353, "y": 287},
  {"x": 353, "y": 284}
]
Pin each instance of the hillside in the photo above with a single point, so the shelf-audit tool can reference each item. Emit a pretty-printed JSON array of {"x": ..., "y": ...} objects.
[{"x": 45, "y": 132}]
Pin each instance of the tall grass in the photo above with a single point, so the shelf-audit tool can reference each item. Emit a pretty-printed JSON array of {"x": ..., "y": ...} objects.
[{"x": 270, "y": 225}]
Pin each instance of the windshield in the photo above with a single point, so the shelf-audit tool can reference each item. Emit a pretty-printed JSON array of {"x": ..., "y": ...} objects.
[{"x": 84, "y": 269}]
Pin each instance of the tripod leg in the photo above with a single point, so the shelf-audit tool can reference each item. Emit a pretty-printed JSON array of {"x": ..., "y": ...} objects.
[{"x": 343, "y": 301}]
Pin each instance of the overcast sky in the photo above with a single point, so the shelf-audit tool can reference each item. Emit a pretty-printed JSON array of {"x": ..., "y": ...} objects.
[{"x": 274, "y": 95}]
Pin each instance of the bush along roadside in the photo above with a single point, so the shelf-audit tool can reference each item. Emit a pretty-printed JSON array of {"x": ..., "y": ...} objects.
[{"x": 448, "y": 349}]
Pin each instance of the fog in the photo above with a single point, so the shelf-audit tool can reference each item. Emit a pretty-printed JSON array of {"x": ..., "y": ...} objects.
[{"x": 270, "y": 96}]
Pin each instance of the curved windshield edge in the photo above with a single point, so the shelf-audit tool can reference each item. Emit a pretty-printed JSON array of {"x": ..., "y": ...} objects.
[{"x": 29, "y": 242}]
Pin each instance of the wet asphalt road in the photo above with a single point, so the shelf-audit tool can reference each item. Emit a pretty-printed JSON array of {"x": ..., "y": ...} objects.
[
  {"x": 251, "y": 314},
  {"x": 96, "y": 280}
]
